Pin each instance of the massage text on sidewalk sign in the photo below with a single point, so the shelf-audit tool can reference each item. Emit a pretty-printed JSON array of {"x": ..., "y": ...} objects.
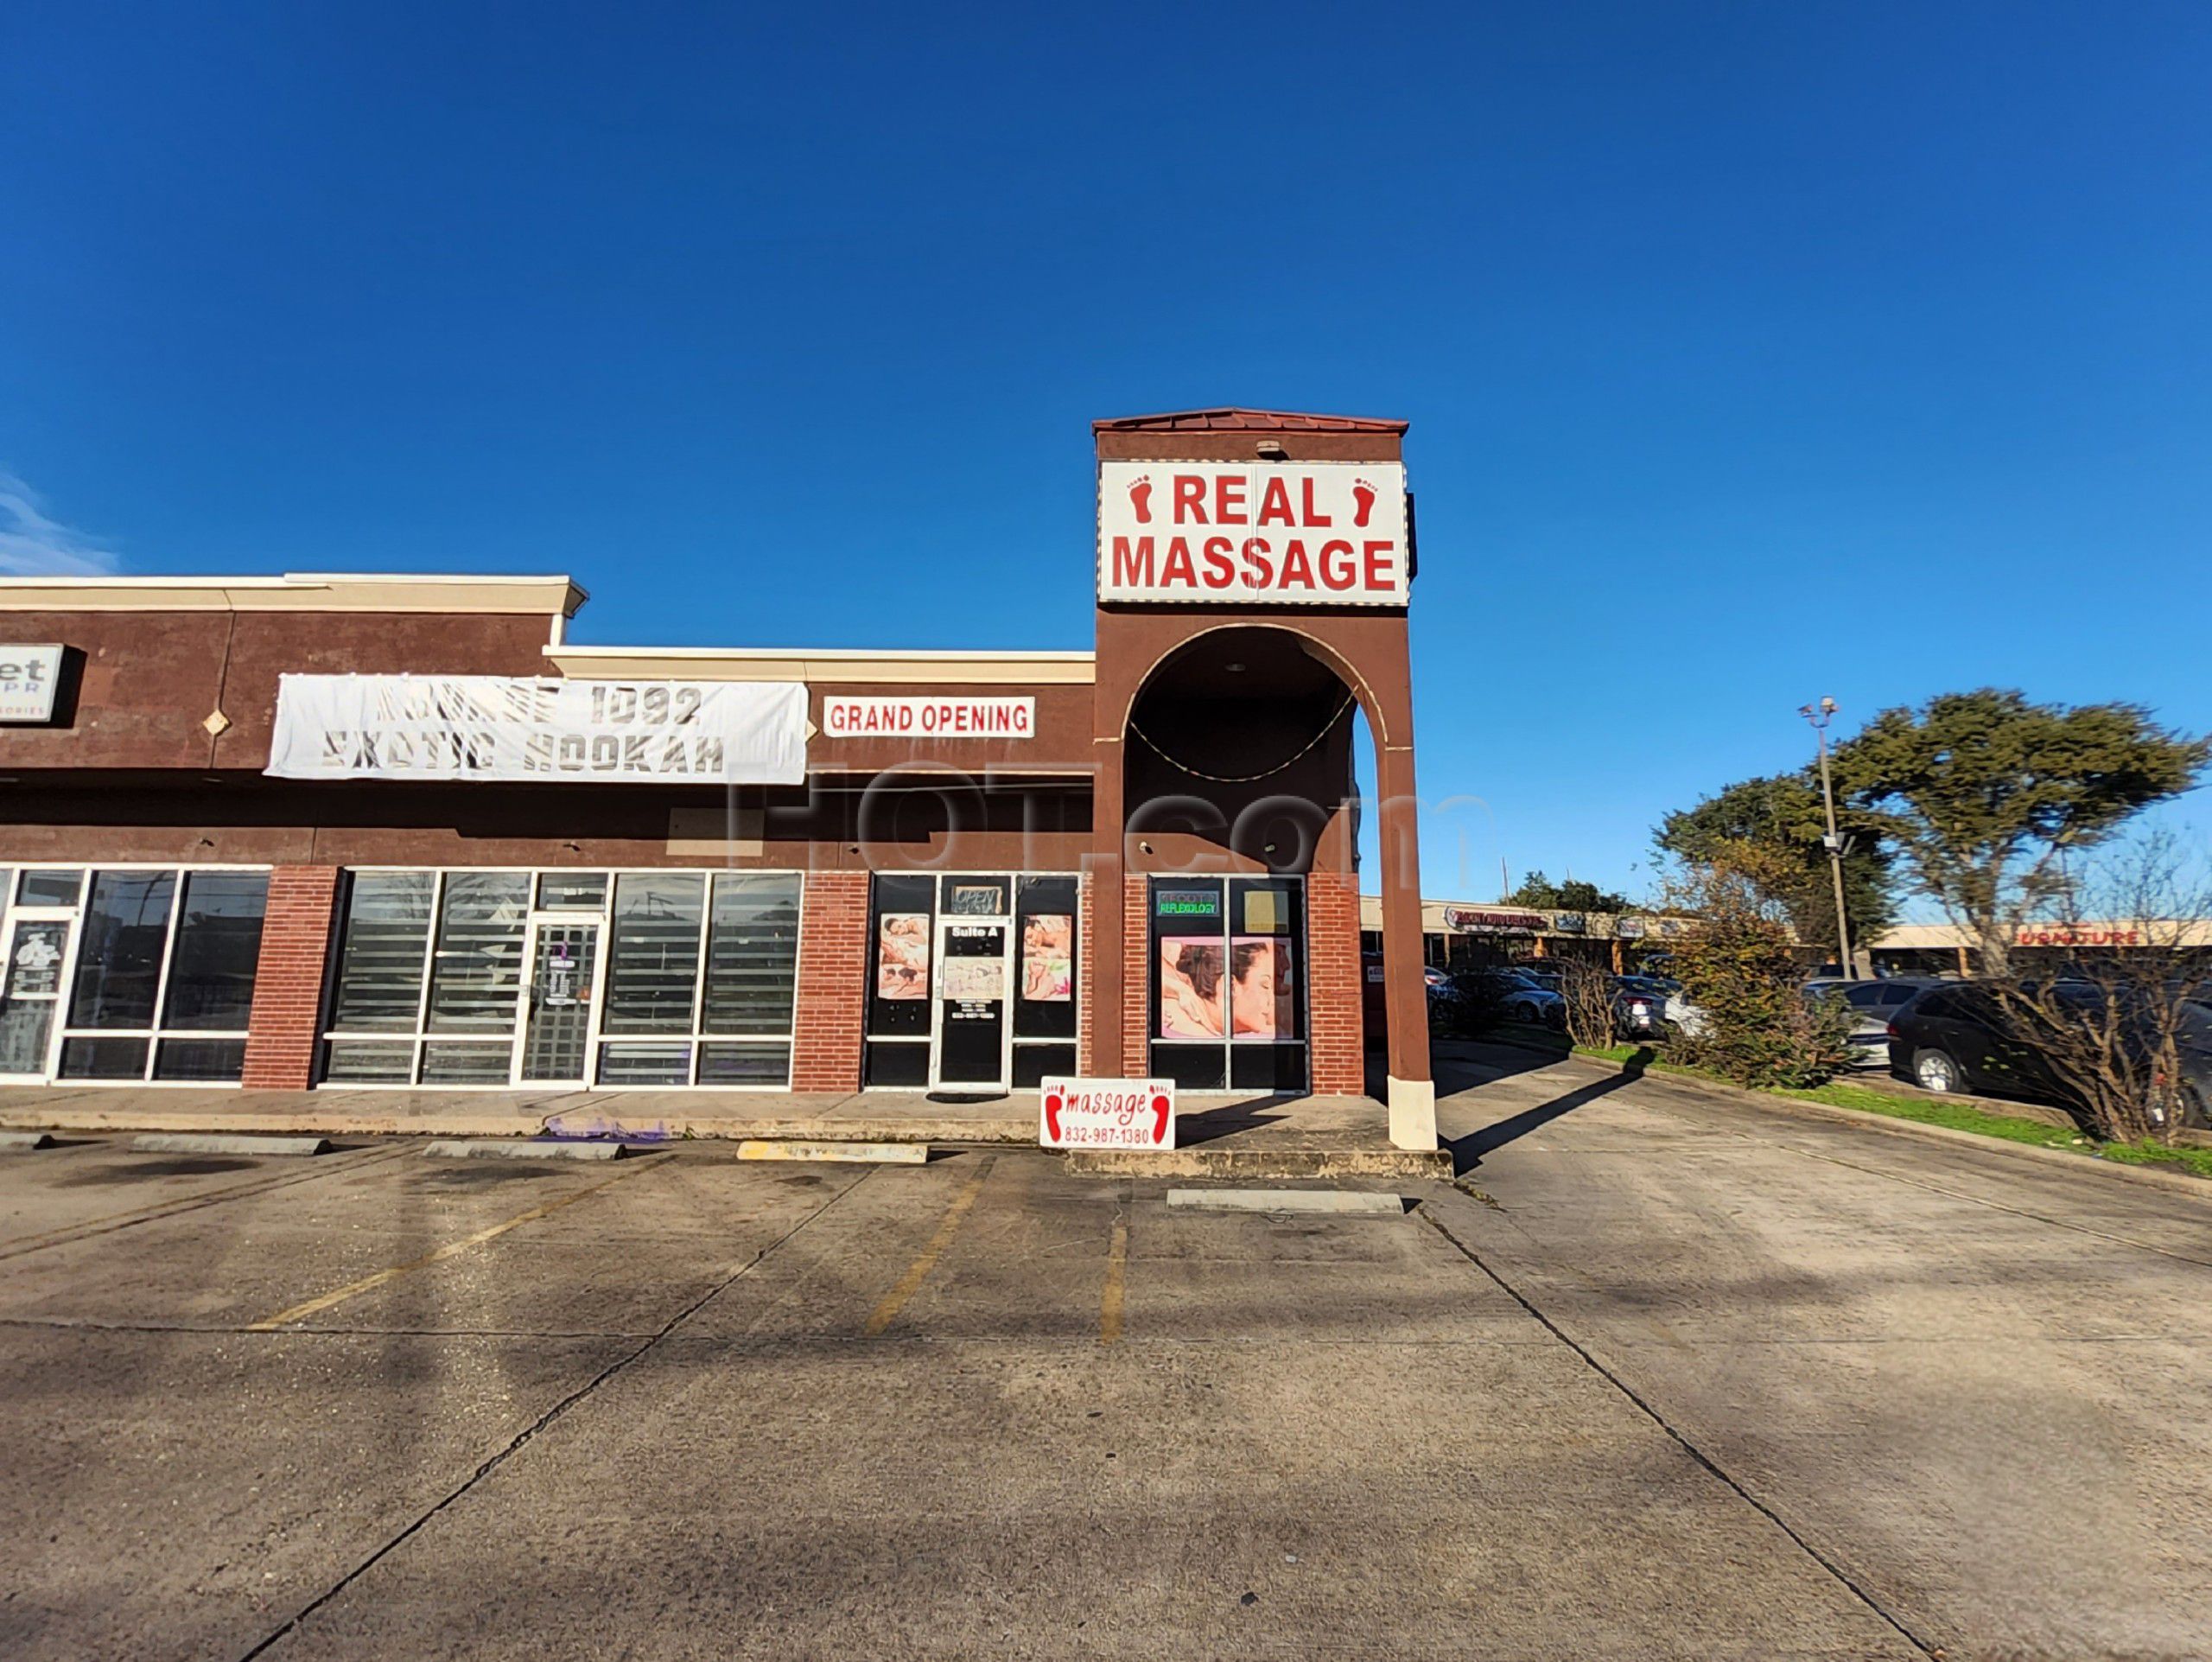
[
  {"x": 487, "y": 727},
  {"x": 929, "y": 718},
  {"x": 27, "y": 677},
  {"x": 1314, "y": 533},
  {"x": 1106, "y": 1114}
]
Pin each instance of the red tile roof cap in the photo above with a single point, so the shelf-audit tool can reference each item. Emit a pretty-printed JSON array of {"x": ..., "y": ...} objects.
[{"x": 1230, "y": 419}]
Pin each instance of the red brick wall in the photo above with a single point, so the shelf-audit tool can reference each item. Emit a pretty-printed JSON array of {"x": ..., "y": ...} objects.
[
  {"x": 833, "y": 963},
  {"x": 280, "y": 1035},
  {"x": 1135, "y": 983},
  {"x": 1086, "y": 953},
  {"x": 1333, "y": 1013}
]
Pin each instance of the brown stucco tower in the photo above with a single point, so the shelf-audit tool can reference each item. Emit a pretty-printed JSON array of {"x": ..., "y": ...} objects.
[{"x": 1255, "y": 570}]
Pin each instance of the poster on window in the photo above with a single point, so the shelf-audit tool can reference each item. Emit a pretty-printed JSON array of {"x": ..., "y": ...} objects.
[
  {"x": 975, "y": 980},
  {"x": 1260, "y": 990},
  {"x": 1048, "y": 958},
  {"x": 902, "y": 955},
  {"x": 1192, "y": 987}
]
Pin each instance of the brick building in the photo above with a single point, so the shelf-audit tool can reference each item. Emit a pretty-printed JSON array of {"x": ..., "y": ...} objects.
[{"x": 396, "y": 832}]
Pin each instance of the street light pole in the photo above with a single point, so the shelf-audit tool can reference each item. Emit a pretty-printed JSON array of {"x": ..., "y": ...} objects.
[{"x": 1819, "y": 716}]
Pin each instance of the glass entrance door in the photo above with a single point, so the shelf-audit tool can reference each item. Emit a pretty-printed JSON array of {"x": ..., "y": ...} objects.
[
  {"x": 556, "y": 1027},
  {"x": 30, "y": 993},
  {"x": 973, "y": 971}
]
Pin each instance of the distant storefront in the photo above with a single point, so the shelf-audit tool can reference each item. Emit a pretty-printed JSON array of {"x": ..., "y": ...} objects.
[{"x": 396, "y": 832}]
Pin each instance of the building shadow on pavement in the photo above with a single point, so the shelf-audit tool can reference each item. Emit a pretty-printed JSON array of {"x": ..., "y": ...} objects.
[{"x": 1467, "y": 1151}]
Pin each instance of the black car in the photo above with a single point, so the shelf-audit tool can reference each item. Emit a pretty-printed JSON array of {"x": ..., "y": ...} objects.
[{"x": 1955, "y": 1037}]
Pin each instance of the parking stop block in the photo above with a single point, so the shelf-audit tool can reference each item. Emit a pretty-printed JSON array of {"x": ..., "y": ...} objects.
[
  {"x": 199, "y": 1142},
  {"x": 498, "y": 1148},
  {"x": 875, "y": 1153},
  {"x": 26, "y": 1139}
]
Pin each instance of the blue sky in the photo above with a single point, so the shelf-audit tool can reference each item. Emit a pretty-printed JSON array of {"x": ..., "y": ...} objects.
[{"x": 1752, "y": 353}]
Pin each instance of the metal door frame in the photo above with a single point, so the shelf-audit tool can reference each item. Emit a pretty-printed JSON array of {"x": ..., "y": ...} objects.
[
  {"x": 1003, "y": 922},
  {"x": 532, "y": 927}
]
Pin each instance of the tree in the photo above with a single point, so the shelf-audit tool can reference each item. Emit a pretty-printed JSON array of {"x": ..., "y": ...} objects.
[
  {"x": 1754, "y": 1022},
  {"x": 2121, "y": 1030},
  {"x": 1980, "y": 794},
  {"x": 1782, "y": 818},
  {"x": 1539, "y": 891}
]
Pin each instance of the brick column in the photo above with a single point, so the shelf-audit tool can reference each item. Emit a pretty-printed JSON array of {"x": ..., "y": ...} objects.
[
  {"x": 286, "y": 1024},
  {"x": 833, "y": 966},
  {"x": 1136, "y": 980},
  {"x": 1333, "y": 1011},
  {"x": 1086, "y": 954}
]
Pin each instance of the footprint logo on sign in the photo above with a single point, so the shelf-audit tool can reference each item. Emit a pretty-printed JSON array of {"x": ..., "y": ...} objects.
[
  {"x": 1362, "y": 496},
  {"x": 1141, "y": 498},
  {"x": 1158, "y": 1116},
  {"x": 1053, "y": 1103}
]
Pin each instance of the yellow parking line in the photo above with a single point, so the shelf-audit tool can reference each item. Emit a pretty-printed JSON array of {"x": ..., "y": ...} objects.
[
  {"x": 369, "y": 1283},
  {"x": 919, "y": 1269},
  {"x": 1109, "y": 1304}
]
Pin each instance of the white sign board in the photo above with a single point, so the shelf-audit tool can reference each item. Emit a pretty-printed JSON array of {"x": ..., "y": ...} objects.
[
  {"x": 488, "y": 727},
  {"x": 929, "y": 718},
  {"x": 28, "y": 675},
  {"x": 1106, "y": 1114},
  {"x": 1296, "y": 534}
]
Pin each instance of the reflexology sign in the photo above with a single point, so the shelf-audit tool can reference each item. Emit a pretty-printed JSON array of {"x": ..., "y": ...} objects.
[
  {"x": 1311, "y": 533},
  {"x": 1106, "y": 1114}
]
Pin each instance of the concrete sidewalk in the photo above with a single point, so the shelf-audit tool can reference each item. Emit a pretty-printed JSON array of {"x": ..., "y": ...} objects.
[{"x": 1220, "y": 1134}]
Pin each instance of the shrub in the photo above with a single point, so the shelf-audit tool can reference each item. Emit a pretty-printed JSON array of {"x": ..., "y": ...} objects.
[{"x": 1737, "y": 966}]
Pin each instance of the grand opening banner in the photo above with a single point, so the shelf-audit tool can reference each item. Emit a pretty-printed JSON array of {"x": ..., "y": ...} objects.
[
  {"x": 490, "y": 728},
  {"x": 1314, "y": 533}
]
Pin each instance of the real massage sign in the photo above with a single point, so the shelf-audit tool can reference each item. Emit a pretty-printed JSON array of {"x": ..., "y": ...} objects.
[{"x": 1305, "y": 534}]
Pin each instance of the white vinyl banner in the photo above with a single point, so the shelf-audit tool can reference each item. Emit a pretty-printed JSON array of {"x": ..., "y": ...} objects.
[
  {"x": 487, "y": 727},
  {"x": 1302, "y": 534}
]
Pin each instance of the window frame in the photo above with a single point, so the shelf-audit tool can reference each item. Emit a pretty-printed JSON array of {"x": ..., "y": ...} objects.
[
  {"x": 420, "y": 1037},
  {"x": 77, "y": 916}
]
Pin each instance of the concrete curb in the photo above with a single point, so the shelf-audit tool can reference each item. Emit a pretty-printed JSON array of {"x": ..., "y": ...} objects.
[
  {"x": 1260, "y": 1161},
  {"x": 1348, "y": 1202},
  {"x": 872, "y": 1154},
  {"x": 26, "y": 1140},
  {"x": 2179, "y": 1182}
]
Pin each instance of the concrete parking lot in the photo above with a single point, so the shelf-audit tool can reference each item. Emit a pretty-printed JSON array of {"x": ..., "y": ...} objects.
[{"x": 1669, "y": 1375}]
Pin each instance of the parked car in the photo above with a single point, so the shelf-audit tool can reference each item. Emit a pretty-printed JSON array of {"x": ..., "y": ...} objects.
[
  {"x": 1640, "y": 1005},
  {"x": 1873, "y": 1003},
  {"x": 1518, "y": 995},
  {"x": 1953, "y": 1036}
]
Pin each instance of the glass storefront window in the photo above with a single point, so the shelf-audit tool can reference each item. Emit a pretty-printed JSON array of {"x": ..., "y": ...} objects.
[
  {"x": 123, "y": 958},
  {"x": 653, "y": 968},
  {"x": 470, "y": 977},
  {"x": 476, "y": 967}
]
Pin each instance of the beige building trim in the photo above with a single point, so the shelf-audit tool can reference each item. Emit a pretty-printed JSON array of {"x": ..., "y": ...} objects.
[
  {"x": 880, "y": 668},
  {"x": 296, "y": 591}
]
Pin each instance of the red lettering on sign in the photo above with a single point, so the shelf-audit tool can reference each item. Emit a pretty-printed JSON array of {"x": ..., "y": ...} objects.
[
  {"x": 1275, "y": 503},
  {"x": 1259, "y": 570},
  {"x": 1296, "y": 569},
  {"x": 1338, "y": 570},
  {"x": 1178, "y": 568},
  {"x": 1221, "y": 570},
  {"x": 1228, "y": 499},
  {"x": 1378, "y": 564},
  {"x": 1313, "y": 516},
  {"x": 1133, "y": 565},
  {"x": 1190, "y": 499}
]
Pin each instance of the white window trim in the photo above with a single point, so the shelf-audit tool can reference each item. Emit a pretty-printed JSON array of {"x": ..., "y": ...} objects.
[
  {"x": 594, "y": 1039},
  {"x": 154, "y": 1035}
]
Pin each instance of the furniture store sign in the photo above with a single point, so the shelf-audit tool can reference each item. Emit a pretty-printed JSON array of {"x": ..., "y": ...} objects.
[
  {"x": 486, "y": 727},
  {"x": 27, "y": 677},
  {"x": 929, "y": 718},
  {"x": 1315, "y": 533},
  {"x": 1106, "y": 1114}
]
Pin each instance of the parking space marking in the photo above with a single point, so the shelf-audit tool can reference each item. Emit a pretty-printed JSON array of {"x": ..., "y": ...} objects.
[
  {"x": 917, "y": 1271},
  {"x": 437, "y": 1255}
]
